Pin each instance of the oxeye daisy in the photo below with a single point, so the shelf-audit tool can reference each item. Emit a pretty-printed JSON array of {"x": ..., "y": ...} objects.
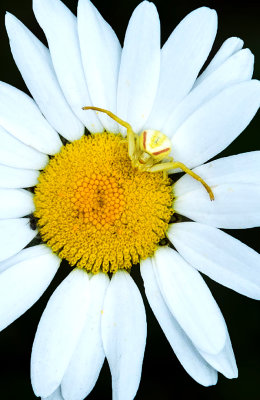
[{"x": 89, "y": 174}]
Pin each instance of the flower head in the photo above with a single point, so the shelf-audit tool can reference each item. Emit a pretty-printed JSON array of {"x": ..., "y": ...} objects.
[{"x": 97, "y": 152}]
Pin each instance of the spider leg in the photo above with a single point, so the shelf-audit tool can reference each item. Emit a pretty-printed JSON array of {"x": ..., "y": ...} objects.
[
  {"x": 132, "y": 142},
  {"x": 130, "y": 133},
  {"x": 176, "y": 164}
]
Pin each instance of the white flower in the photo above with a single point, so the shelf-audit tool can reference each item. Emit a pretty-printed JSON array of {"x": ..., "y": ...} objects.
[{"x": 90, "y": 316}]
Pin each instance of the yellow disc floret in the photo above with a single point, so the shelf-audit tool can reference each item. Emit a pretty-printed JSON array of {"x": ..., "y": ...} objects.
[{"x": 96, "y": 210}]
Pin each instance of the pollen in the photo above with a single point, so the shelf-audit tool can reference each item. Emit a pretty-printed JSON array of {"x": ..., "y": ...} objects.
[{"x": 96, "y": 210}]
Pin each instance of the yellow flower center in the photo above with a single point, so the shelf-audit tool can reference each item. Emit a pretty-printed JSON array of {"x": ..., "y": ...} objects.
[{"x": 96, "y": 210}]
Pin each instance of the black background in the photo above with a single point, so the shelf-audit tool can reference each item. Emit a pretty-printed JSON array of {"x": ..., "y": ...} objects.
[{"x": 162, "y": 377}]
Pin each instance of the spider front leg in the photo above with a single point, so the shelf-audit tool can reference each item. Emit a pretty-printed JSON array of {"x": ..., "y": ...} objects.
[
  {"x": 132, "y": 143},
  {"x": 131, "y": 136},
  {"x": 176, "y": 164}
]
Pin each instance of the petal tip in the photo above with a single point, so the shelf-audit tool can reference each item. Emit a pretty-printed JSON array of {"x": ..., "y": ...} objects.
[{"x": 9, "y": 20}]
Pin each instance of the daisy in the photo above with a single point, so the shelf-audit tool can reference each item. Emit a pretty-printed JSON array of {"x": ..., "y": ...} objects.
[{"x": 104, "y": 202}]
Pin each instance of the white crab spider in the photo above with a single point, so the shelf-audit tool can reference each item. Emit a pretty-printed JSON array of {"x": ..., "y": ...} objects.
[{"x": 149, "y": 150}]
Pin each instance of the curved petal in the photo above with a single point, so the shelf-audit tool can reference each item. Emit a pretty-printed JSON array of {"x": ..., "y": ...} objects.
[
  {"x": 34, "y": 62},
  {"x": 23, "y": 255},
  {"x": 124, "y": 334},
  {"x": 16, "y": 154},
  {"x": 60, "y": 28},
  {"x": 23, "y": 284},
  {"x": 182, "y": 57},
  {"x": 188, "y": 355},
  {"x": 17, "y": 177},
  {"x": 224, "y": 361},
  {"x": 101, "y": 52},
  {"x": 218, "y": 255},
  {"x": 15, "y": 203},
  {"x": 58, "y": 332},
  {"x": 235, "y": 182},
  {"x": 228, "y": 48},
  {"x": 140, "y": 66},
  {"x": 20, "y": 116},
  {"x": 192, "y": 360},
  {"x": 236, "y": 69},
  {"x": 190, "y": 301},
  {"x": 15, "y": 234},
  {"x": 212, "y": 127},
  {"x": 88, "y": 357}
]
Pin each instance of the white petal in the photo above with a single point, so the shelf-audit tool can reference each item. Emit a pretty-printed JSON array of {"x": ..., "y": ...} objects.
[
  {"x": 15, "y": 234},
  {"x": 224, "y": 361},
  {"x": 23, "y": 255},
  {"x": 140, "y": 66},
  {"x": 101, "y": 52},
  {"x": 60, "y": 28},
  {"x": 15, "y": 203},
  {"x": 184, "y": 349},
  {"x": 17, "y": 154},
  {"x": 237, "y": 68},
  {"x": 88, "y": 357},
  {"x": 218, "y": 255},
  {"x": 228, "y": 48},
  {"x": 240, "y": 168},
  {"x": 182, "y": 57},
  {"x": 20, "y": 116},
  {"x": 17, "y": 177},
  {"x": 236, "y": 190},
  {"x": 236, "y": 206},
  {"x": 54, "y": 396},
  {"x": 22, "y": 284},
  {"x": 190, "y": 301},
  {"x": 58, "y": 332},
  {"x": 34, "y": 62},
  {"x": 212, "y": 127},
  {"x": 124, "y": 334}
]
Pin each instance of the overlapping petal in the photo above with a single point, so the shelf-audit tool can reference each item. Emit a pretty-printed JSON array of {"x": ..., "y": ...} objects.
[
  {"x": 236, "y": 206},
  {"x": 184, "y": 349},
  {"x": 190, "y": 301},
  {"x": 124, "y": 334},
  {"x": 235, "y": 182},
  {"x": 54, "y": 396},
  {"x": 25, "y": 281},
  {"x": 58, "y": 332},
  {"x": 88, "y": 357},
  {"x": 20, "y": 116},
  {"x": 60, "y": 28},
  {"x": 23, "y": 255},
  {"x": 34, "y": 62},
  {"x": 224, "y": 361},
  {"x": 218, "y": 255},
  {"x": 15, "y": 234},
  {"x": 16, "y": 154},
  {"x": 241, "y": 168},
  {"x": 228, "y": 48},
  {"x": 101, "y": 53},
  {"x": 182, "y": 57},
  {"x": 213, "y": 126},
  {"x": 235, "y": 69}
]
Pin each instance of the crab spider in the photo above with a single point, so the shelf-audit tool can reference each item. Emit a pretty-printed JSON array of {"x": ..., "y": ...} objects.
[{"x": 149, "y": 151}]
